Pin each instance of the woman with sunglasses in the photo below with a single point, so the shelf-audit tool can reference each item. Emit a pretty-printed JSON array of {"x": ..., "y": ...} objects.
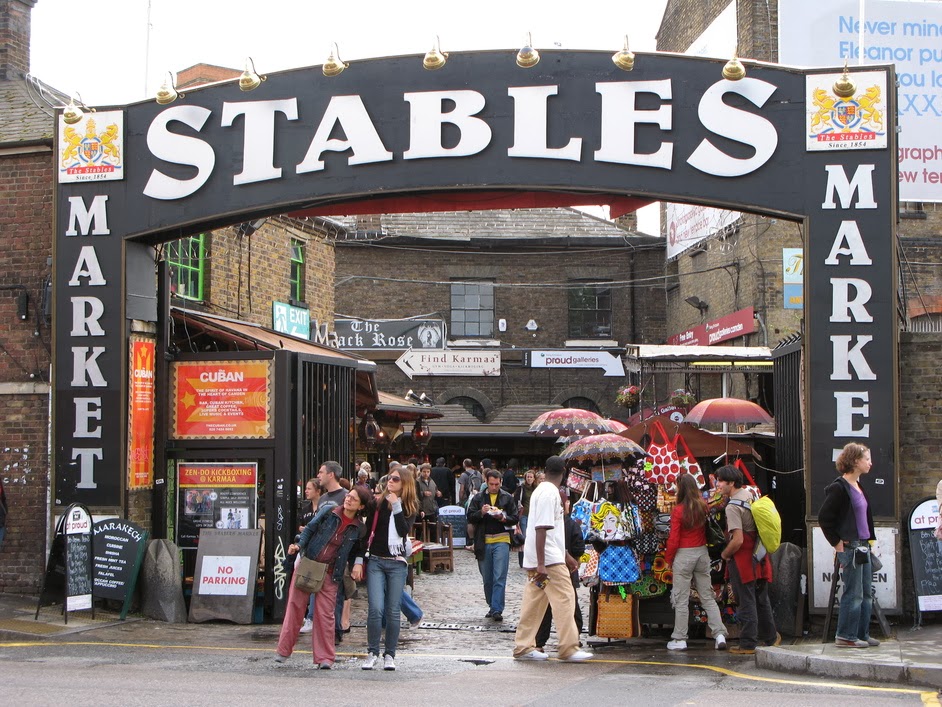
[{"x": 386, "y": 567}]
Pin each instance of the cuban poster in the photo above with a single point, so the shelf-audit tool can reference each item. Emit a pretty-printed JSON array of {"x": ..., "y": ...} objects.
[
  {"x": 221, "y": 399},
  {"x": 214, "y": 495},
  {"x": 141, "y": 414}
]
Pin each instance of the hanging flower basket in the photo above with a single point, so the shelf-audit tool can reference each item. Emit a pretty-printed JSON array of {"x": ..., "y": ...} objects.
[
  {"x": 628, "y": 396},
  {"x": 683, "y": 398}
]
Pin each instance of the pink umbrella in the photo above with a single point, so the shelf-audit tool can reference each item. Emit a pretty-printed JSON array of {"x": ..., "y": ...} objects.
[
  {"x": 617, "y": 426},
  {"x": 566, "y": 422},
  {"x": 733, "y": 411}
]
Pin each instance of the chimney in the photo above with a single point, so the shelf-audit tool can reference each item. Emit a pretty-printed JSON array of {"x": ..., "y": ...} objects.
[{"x": 14, "y": 38}]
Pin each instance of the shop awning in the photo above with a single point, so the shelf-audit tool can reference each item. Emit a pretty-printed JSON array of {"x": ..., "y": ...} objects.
[
  {"x": 247, "y": 336},
  {"x": 694, "y": 359}
]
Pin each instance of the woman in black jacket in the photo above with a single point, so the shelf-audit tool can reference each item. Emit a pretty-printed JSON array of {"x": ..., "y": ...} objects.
[{"x": 847, "y": 523}]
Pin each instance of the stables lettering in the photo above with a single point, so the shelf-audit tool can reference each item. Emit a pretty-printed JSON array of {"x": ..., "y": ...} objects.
[
  {"x": 849, "y": 299},
  {"x": 425, "y": 113}
]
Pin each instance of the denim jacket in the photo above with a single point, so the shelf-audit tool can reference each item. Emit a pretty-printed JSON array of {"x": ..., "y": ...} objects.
[{"x": 321, "y": 529}]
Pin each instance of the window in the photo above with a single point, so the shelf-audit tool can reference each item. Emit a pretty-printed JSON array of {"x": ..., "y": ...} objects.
[
  {"x": 186, "y": 258},
  {"x": 582, "y": 404},
  {"x": 590, "y": 312},
  {"x": 472, "y": 309},
  {"x": 297, "y": 270},
  {"x": 469, "y": 404}
]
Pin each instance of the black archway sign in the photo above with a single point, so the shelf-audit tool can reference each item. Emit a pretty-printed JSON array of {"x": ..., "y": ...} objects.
[{"x": 780, "y": 142}]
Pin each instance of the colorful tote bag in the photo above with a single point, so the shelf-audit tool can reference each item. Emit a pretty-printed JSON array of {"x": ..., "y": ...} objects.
[
  {"x": 618, "y": 565},
  {"x": 617, "y": 615},
  {"x": 663, "y": 464},
  {"x": 609, "y": 523}
]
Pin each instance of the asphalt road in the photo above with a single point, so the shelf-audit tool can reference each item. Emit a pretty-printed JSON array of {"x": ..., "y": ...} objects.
[
  {"x": 167, "y": 673},
  {"x": 455, "y": 658}
]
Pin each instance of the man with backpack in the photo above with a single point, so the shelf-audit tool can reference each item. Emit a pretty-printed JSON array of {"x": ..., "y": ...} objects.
[{"x": 749, "y": 576}]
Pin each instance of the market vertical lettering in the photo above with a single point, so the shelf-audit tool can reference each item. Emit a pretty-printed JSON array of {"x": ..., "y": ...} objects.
[
  {"x": 849, "y": 299},
  {"x": 87, "y": 313}
]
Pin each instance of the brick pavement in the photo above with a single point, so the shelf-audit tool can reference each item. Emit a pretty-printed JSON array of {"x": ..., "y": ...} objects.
[{"x": 454, "y": 608}]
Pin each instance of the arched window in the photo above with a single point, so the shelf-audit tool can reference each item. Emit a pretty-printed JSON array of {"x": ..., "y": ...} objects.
[
  {"x": 469, "y": 404},
  {"x": 582, "y": 404}
]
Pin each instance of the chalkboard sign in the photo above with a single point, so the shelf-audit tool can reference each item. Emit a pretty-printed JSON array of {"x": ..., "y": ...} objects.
[
  {"x": 68, "y": 575},
  {"x": 455, "y": 515},
  {"x": 924, "y": 550},
  {"x": 118, "y": 548}
]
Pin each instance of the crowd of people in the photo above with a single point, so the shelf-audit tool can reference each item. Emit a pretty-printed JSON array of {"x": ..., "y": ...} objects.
[{"x": 360, "y": 533}]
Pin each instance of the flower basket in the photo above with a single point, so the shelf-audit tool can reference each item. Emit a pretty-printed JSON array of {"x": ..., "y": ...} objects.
[
  {"x": 628, "y": 396},
  {"x": 683, "y": 398}
]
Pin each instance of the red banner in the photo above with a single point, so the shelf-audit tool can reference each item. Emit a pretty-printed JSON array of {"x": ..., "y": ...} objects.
[
  {"x": 732, "y": 326},
  {"x": 141, "y": 415},
  {"x": 221, "y": 399}
]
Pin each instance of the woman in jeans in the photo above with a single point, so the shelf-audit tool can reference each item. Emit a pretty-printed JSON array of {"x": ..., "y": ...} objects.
[
  {"x": 386, "y": 567},
  {"x": 688, "y": 556},
  {"x": 522, "y": 497},
  {"x": 847, "y": 523},
  {"x": 328, "y": 538}
]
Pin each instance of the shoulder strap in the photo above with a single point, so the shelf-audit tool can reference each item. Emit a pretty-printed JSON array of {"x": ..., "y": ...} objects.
[
  {"x": 373, "y": 529},
  {"x": 739, "y": 502}
]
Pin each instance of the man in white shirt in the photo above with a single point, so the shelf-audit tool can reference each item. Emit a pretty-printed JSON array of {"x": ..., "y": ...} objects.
[{"x": 548, "y": 572}]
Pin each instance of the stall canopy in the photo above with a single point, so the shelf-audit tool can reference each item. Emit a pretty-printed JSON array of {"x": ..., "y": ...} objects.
[
  {"x": 697, "y": 359},
  {"x": 701, "y": 442}
]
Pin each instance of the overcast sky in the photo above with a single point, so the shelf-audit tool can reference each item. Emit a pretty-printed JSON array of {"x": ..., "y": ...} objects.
[
  {"x": 103, "y": 51},
  {"x": 102, "y": 48}
]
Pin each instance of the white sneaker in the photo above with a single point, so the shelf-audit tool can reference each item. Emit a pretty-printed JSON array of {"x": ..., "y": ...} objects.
[
  {"x": 532, "y": 655},
  {"x": 720, "y": 642},
  {"x": 676, "y": 645},
  {"x": 579, "y": 657},
  {"x": 389, "y": 663},
  {"x": 369, "y": 662},
  {"x": 307, "y": 626}
]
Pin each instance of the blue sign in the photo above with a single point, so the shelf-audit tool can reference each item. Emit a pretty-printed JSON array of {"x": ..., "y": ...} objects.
[{"x": 292, "y": 320}]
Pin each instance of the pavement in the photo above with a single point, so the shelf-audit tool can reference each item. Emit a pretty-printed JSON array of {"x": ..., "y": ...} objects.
[{"x": 454, "y": 622}]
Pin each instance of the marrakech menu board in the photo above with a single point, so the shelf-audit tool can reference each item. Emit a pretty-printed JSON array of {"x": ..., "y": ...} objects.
[{"x": 221, "y": 399}]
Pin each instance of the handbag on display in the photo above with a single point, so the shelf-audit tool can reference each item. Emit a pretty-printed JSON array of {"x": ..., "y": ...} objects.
[
  {"x": 648, "y": 586},
  {"x": 663, "y": 464},
  {"x": 617, "y": 615},
  {"x": 578, "y": 480},
  {"x": 309, "y": 575},
  {"x": 609, "y": 523},
  {"x": 646, "y": 496},
  {"x": 589, "y": 567},
  {"x": 688, "y": 462},
  {"x": 662, "y": 524},
  {"x": 617, "y": 564}
]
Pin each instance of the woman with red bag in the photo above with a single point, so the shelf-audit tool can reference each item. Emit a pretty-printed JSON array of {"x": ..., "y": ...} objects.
[
  {"x": 687, "y": 554},
  {"x": 328, "y": 538}
]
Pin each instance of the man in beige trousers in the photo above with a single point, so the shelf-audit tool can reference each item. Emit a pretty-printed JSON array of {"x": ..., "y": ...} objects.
[{"x": 548, "y": 572}]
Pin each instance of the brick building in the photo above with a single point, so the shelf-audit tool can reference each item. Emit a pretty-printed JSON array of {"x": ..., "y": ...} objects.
[
  {"x": 513, "y": 282},
  {"x": 755, "y": 244},
  {"x": 26, "y": 179}
]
